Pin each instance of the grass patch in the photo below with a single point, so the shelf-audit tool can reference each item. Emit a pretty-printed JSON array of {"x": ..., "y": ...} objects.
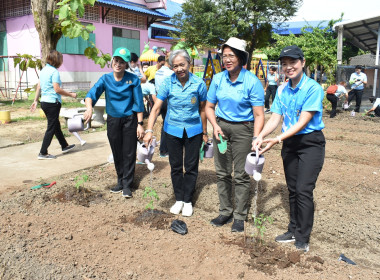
[{"x": 28, "y": 118}]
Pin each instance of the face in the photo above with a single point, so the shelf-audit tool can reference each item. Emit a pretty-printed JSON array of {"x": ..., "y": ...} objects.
[
  {"x": 160, "y": 64},
  {"x": 271, "y": 71},
  {"x": 358, "y": 71},
  {"x": 292, "y": 68},
  {"x": 132, "y": 64},
  {"x": 230, "y": 60},
  {"x": 118, "y": 64},
  {"x": 145, "y": 67},
  {"x": 181, "y": 68}
]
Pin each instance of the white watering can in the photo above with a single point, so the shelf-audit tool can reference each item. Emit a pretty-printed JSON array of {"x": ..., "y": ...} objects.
[
  {"x": 209, "y": 149},
  {"x": 254, "y": 164},
  {"x": 145, "y": 154},
  {"x": 76, "y": 123}
]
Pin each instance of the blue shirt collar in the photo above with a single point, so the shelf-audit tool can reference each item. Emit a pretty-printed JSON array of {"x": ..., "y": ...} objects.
[
  {"x": 240, "y": 78},
  {"x": 301, "y": 83},
  {"x": 188, "y": 83}
]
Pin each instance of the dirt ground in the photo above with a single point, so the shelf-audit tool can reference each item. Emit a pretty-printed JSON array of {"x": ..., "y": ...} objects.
[{"x": 63, "y": 233}]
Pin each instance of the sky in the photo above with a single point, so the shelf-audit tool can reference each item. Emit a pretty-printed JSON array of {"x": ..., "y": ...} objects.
[{"x": 331, "y": 9}]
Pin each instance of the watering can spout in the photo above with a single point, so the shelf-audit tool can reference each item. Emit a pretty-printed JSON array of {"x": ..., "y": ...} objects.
[{"x": 254, "y": 164}]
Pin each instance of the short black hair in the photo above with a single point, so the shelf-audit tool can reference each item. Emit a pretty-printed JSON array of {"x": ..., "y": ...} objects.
[
  {"x": 134, "y": 57},
  {"x": 145, "y": 63},
  {"x": 161, "y": 58},
  {"x": 358, "y": 67},
  {"x": 274, "y": 69}
]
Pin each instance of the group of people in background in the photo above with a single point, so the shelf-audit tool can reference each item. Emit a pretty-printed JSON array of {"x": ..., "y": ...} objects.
[{"x": 235, "y": 105}]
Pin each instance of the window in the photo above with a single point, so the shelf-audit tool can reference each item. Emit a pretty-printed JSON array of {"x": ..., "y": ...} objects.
[
  {"x": 14, "y": 8},
  {"x": 91, "y": 13},
  {"x": 74, "y": 46},
  {"x": 120, "y": 17},
  {"x": 127, "y": 38}
]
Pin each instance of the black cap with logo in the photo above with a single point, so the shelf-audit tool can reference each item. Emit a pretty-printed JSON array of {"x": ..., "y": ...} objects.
[{"x": 291, "y": 51}]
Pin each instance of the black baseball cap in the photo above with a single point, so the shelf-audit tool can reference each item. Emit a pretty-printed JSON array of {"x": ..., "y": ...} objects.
[{"x": 291, "y": 51}]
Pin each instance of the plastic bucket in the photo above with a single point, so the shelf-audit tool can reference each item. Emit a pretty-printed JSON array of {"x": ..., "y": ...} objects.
[{"x": 5, "y": 117}]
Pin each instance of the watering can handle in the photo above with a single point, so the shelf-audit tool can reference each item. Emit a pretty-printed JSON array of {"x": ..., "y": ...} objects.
[
  {"x": 88, "y": 123},
  {"x": 257, "y": 155}
]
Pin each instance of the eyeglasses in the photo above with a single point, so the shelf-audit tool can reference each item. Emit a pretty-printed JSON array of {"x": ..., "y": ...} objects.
[{"x": 230, "y": 57}]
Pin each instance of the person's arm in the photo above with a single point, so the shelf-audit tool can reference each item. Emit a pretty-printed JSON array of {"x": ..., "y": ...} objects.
[
  {"x": 275, "y": 77},
  {"x": 269, "y": 127},
  {"x": 88, "y": 113},
  {"x": 36, "y": 98},
  {"x": 304, "y": 119},
  {"x": 143, "y": 78},
  {"x": 152, "y": 120},
  {"x": 210, "y": 114},
  {"x": 140, "y": 128},
  {"x": 202, "y": 113},
  {"x": 258, "y": 113},
  {"x": 61, "y": 91},
  {"x": 92, "y": 97}
]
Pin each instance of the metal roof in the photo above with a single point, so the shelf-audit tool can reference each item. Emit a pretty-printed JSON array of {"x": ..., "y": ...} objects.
[
  {"x": 295, "y": 27},
  {"x": 362, "y": 33},
  {"x": 138, "y": 8},
  {"x": 172, "y": 8}
]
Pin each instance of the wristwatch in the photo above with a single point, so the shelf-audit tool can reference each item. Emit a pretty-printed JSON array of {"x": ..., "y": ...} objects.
[{"x": 140, "y": 123}]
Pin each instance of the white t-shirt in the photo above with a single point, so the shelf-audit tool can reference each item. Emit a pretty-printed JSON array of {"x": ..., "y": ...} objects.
[
  {"x": 377, "y": 103},
  {"x": 340, "y": 91}
]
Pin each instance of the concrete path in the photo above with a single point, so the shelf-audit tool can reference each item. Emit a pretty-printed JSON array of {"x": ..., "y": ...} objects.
[{"x": 19, "y": 164}]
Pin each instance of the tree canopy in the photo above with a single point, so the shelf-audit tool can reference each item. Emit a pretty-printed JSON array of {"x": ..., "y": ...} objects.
[
  {"x": 210, "y": 23},
  {"x": 50, "y": 28}
]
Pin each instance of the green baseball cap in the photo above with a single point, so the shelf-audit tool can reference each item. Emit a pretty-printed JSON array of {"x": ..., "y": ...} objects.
[{"x": 124, "y": 53}]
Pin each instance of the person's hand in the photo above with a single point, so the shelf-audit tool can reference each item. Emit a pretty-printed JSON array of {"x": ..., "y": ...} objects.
[
  {"x": 217, "y": 131},
  {"x": 148, "y": 138},
  {"x": 257, "y": 143},
  {"x": 270, "y": 142},
  {"x": 140, "y": 131},
  {"x": 73, "y": 94},
  {"x": 87, "y": 115},
  {"x": 205, "y": 138},
  {"x": 33, "y": 106}
]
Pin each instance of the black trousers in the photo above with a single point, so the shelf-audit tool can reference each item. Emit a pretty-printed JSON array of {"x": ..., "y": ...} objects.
[
  {"x": 184, "y": 183},
  {"x": 122, "y": 136},
  {"x": 271, "y": 91},
  {"x": 358, "y": 93},
  {"x": 303, "y": 156},
  {"x": 334, "y": 102},
  {"x": 51, "y": 111},
  {"x": 163, "y": 142}
]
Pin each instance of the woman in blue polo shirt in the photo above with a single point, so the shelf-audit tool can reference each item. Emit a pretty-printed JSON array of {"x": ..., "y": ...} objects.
[
  {"x": 50, "y": 89},
  {"x": 124, "y": 107},
  {"x": 299, "y": 103},
  {"x": 185, "y": 126},
  {"x": 238, "y": 117}
]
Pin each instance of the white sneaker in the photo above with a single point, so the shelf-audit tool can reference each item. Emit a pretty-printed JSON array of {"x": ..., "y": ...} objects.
[
  {"x": 187, "y": 210},
  {"x": 176, "y": 208},
  {"x": 82, "y": 142}
]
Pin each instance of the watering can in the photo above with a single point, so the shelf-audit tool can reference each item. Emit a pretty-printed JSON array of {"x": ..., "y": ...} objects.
[
  {"x": 145, "y": 153},
  {"x": 76, "y": 123},
  {"x": 353, "y": 113},
  {"x": 209, "y": 149},
  {"x": 254, "y": 164},
  {"x": 346, "y": 106}
]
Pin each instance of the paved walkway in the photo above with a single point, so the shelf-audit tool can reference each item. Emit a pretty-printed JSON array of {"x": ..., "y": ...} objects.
[{"x": 19, "y": 164}]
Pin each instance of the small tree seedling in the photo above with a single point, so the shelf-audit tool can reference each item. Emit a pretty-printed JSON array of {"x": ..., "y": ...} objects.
[
  {"x": 79, "y": 181},
  {"x": 260, "y": 224},
  {"x": 152, "y": 195}
]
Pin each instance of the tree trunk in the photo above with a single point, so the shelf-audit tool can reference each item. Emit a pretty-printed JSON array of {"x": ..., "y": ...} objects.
[
  {"x": 250, "y": 51},
  {"x": 45, "y": 23},
  {"x": 322, "y": 74},
  {"x": 316, "y": 73}
]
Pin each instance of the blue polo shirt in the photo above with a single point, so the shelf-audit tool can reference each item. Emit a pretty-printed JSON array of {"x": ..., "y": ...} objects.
[
  {"x": 235, "y": 99},
  {"x": 183, "y": 105},
  {"x": 271, "y": 79},
  {"x": 49, "y": 75},
  {"x": 289, "y": 103},
  {"x": 122, "y": 98}
]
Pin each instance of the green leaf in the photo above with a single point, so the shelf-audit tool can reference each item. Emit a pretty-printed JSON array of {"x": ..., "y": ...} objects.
[
  {"x": 81, "y": 11},
  {"x": 16, "y": 61},
  {"x": 66, "y": 23},
  {"x": 74, "y": 4},
  {"x": 85, "y": 35},
  {"x": 90, "y": 28},
  {"x": 64, "y": 12}
]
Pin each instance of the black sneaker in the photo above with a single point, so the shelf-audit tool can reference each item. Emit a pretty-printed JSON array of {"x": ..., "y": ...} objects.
[
  {"x": 302, "y": 246},
  {"x": 286, "y": 237},
  {"x": 47, "y": 156},
  {"x": 164, "y": 155},
  {"x": 127, "y": 192},
  {"x": 221, "y": 220},
  {"x": 68, "y": 148},
  {"x": 237, "y": 226},
  {"x": 267, "y": 111},
  {"x": 116, "y": 189}
]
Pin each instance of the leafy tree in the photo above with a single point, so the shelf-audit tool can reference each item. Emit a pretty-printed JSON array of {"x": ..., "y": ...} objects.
[
  {"x": 318, "y": 45},
  {"x": 210, "y": 23},
  {"x": 54, "y": 18}
]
